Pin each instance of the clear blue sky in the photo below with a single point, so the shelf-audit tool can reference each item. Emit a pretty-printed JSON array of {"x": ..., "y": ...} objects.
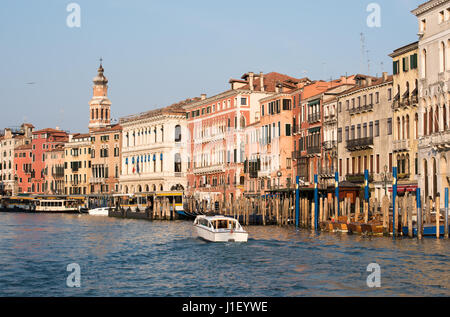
[{"x": 159, "y": 52}]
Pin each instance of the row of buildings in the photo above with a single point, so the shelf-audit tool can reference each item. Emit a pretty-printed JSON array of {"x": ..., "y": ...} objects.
[{"x": 261, "y": 133}]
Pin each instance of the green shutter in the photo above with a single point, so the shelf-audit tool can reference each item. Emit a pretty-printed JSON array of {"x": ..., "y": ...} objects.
[{"x": 395, "y": 66}]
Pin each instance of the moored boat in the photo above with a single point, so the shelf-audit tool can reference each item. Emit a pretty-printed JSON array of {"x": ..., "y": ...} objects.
[
  {"x": 219, "y": 229},
  {"x": 99, "y": 212}
]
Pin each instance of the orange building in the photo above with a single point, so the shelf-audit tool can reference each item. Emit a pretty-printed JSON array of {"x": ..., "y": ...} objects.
[{"x": 54, "y": 171}]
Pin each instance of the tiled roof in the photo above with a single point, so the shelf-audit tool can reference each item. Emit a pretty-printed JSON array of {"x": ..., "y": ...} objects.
[
  {"x": 115, "y": 127},
  {"x": 49, "y": 130},
  {"x": 270, "y": 81},
  {"x": 23, "y": 147}
]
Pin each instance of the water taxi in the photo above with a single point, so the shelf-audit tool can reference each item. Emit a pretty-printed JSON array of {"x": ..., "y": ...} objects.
[{"x": 219, "y": 229}]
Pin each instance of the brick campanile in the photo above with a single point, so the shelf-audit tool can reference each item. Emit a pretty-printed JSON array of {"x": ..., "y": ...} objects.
[{"x": 100, "y": 105}]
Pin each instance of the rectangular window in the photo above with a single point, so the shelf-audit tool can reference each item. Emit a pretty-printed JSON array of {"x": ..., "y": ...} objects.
[
  {"x": 396, "y": 68},
  {"x": 389, "y": 126},
  {"x": 288, "y": 130},
  {"x": 377, "y": 128}
]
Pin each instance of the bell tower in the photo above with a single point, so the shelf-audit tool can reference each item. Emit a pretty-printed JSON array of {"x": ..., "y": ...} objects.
[{"x": 100, "y": 105}]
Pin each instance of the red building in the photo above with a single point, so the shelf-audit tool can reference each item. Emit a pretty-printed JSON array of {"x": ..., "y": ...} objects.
[
  {"x": 23, "y": 159},
  {"x": 43, "y": 142}
]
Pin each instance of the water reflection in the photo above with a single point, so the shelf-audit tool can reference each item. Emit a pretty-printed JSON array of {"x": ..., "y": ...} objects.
[{"x": 139, "y": 258}]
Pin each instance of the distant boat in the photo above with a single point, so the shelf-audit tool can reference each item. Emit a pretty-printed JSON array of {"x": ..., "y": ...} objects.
[
  {"x": 99, "y": 212},
  {"x": 219, "y": 229}
]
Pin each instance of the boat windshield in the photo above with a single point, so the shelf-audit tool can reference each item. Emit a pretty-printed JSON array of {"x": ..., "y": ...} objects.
[{"x": 224, "y": 224}]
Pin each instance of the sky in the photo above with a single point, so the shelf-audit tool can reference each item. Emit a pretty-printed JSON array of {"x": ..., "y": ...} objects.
[{"x": 156, "y": 53}]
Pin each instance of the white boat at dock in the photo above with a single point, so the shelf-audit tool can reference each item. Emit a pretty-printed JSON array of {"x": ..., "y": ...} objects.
[
  {"x": 99, "y": 212},
  {"x": 219, "y": 229}
]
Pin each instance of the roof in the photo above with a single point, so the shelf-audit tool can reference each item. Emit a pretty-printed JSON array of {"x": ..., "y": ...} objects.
[
  {"x": 81, "y": 136},
  {"x": 270, "y": 81},
  {"x": 115, "y": 127},
  {"x": 24, "y": 147},
  {"x": 49, "y": 130},
  {"x": 376, "y": 82},
  {"x": 175, "y": 109},
  {"x": 405, "y": 49}
]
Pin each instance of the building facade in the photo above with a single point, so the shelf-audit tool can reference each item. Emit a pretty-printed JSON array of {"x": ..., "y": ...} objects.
[
  {"x": 12, "y": 138},
  {"x": 154, "y": 150},
  {"x": 43, "y": 141},
  {"x": 54, "y": 171},
  {"x": 434, "y": 74},
  {"x": 217, "y": 128},
  {"x": 77, "y": 165},
  {"x": 23, "y": 158},
  {"x": 406, "y": 117},
  {"x": 365, "y": 133}
]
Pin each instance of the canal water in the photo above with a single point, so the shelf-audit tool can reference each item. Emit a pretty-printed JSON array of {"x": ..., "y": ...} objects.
[{"x": 139, "y": 258}]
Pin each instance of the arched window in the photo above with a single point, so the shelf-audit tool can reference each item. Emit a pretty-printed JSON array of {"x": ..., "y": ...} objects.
[
  {"x": 436, "y": 120},
  {"x": 407, "y": 127},
  {"x": 178, "y": 133},
  {"x": 398, "y": 129},
  {"x": 242, "y": 122},
  {"x": 96, "y": 114},
  {"x": 177, "y": 163},
  {"x": 416, "y": 125},
  {"x": 425, "y": 123},
  {"x": 430, "y": 119},
  {"x": 444, "y": 117},
  {"x": 101, "y": 114},
  {"x": 92, "y": 114}
]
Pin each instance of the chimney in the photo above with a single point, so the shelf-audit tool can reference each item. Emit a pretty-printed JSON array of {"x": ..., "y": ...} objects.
[
  {"x": 343, "y": 79},
  {"x": 251, "y": 80},
  {"x": 261, "y": 81},
  {"x": 57, "y": 128},
  {"x": 369, "y": 81},
  {"x": 363, "y": 82},
  {"x": 203, "y": 96},
  {"x": 385, "y": 76}
]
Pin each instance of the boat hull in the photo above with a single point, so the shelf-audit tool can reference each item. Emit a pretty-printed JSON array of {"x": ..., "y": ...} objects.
[
  {"x": 229, "y": 236},
  {"x": 99, "y": 212}
]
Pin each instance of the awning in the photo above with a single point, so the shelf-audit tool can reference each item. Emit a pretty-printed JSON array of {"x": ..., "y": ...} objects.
[{"x": 405, "y": 188}]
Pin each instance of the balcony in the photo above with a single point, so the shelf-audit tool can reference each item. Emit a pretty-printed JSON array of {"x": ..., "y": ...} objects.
[
  {"x": 358, "y": 178},
  {"x": 360, "y": 144},
  {"x": 327, "y": 173},
  {"x": 441, "y": 140},
  {"x": 313, "y": 118},
  {"x": 361, "y": 109},
  {"x": 210, "y": 169},
  {"x": 96, "y": 180},
  {"x": 296, "y": 155},
  {"x": 264, "y": 173},
  {"x": 329, "y": 145},
  {"x": 401, "y": 145},
  {"x": 405, "y": 102},
  {"x": 314, "y": 150}
]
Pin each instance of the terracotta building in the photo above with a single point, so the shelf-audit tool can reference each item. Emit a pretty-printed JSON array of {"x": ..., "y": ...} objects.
[
  {"x": 43, "y": 142},
  {"x": 23, "y": 159}
]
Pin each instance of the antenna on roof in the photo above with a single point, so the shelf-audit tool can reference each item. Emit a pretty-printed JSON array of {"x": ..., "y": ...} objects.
[{"x": 363, "y": 51}]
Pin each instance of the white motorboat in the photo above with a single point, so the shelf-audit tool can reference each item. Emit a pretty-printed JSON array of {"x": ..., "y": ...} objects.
[
  {"x": 99, "y": 211},
  {"x": 219, "y": 229}
]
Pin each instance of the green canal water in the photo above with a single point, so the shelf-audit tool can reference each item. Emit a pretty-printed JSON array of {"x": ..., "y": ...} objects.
[{"x": 138, "y": 258}]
